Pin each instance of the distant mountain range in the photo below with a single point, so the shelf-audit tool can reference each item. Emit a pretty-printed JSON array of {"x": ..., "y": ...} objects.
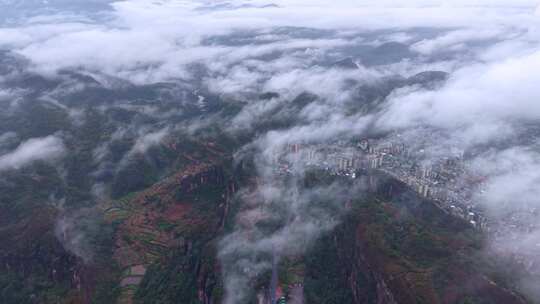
[{"x": 15, "y": 9}]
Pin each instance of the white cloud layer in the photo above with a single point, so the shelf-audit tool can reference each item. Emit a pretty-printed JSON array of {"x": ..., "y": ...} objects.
[
  {"x": 153, "y": 40},
  {"x": 35, "y": 149},
  {"x": 480, "y": 99}
]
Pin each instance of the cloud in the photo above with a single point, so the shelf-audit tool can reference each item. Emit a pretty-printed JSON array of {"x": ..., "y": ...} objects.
[
  {"x": 479, "y": 101},
  {"x": 31, "y": 150},
  {"x": 510, "y": 196},
  {"x": 149, "y": 41},
  {"x": 148, "y": 140},
  {"x": 301, "y": 215},
  {"x": 14, "y": 10},
  {"x": 457, "y": 40},
  {"x": 514, "y": 174}
]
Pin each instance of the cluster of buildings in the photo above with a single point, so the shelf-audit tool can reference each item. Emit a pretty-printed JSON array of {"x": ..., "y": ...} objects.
[{"x": 445, "y": 180}]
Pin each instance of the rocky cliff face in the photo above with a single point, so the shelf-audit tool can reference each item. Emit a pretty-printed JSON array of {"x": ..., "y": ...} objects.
[
  {"x": 392, "y": 246},
  {"x": 165, "y": 240},
  {"x": 103, "y": 254},
  {"x": 37, "y": 261},
  {"x": 395, "y": 247}
]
